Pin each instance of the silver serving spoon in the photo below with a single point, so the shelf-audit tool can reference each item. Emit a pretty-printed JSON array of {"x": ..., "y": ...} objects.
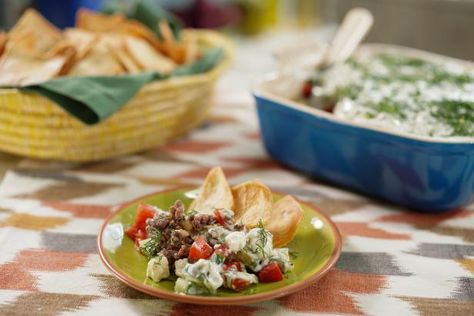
[{"x": 350, "y": 33}]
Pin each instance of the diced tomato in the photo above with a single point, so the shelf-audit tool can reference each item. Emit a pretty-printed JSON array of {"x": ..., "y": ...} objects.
[
  {"x": 239, "y": 284},
  {"x": 139, "y": 236},
  {"x": 270, "y": 273},
  {"x": 200, "y": 249},
  {"x": 233, "y": 264},
  {"x": 306, "y": 89},
  {"x": 138, "y": 229},
  {"x": 218, "y": 217},
  {"x": 144, "y": 212},
  {"x": 131, "y": 231}
]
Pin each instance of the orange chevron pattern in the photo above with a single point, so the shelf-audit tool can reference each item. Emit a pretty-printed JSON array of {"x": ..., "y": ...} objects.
[{"x": 393, "y": 261}]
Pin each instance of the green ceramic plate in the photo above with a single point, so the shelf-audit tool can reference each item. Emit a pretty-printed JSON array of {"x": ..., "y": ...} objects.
[{"x": 316, "y": 248}]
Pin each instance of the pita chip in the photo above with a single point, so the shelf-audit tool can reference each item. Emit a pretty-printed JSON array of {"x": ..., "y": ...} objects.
[
  {"x": 146, "y": 56},
  {"x": 33, "y": 35},
  {"x": 99, "y": 61}
]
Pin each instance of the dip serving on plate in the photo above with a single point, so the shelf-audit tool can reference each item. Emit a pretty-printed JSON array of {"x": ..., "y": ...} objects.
[{"x": 229, "y": 245}]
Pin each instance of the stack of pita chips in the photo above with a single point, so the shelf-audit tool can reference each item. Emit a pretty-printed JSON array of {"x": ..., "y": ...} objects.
[
  {"x": 30, "y": 52},
  {"x": 100, "y": 45}
]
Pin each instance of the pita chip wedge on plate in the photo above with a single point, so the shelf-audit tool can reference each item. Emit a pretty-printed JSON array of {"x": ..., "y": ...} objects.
[
  {"x": 252, "y": 203},
  {"x": 285, "y": 217},
  {"x": 214, "y": 193}
]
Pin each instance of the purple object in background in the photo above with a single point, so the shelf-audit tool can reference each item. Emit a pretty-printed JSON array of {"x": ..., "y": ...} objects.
[{"x": 204, "y": 14}]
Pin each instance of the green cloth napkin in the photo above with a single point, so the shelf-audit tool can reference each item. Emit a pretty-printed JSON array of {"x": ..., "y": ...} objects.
[{"x": 93, "y": 99}]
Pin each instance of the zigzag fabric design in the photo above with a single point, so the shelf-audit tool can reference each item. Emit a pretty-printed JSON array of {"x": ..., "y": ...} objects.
[{"x": 393, "y": 261}]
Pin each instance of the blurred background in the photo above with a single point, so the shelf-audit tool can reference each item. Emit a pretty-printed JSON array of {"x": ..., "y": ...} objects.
[{"x": 442, "y": 26}]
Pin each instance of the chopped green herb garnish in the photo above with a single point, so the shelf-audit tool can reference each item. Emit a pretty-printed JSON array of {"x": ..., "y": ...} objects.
[
  {"x": 413, "y": 94},
  {"x": 391, "y": 60},
  {"x": 457, "y": 114},
  {"x": 262, "y": 239},
  {"x": 387, "y": 105},
  {"x": 150, "y": 248},
  {"x": 350, "y": 91},
  {"x": 217, "y": 258}
]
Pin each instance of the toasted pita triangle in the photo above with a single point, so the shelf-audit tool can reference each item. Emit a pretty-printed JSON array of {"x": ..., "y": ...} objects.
[
  {"x": 214, "y": 193},
  {"x": 170, "y": 46},
  {"x": 146, "y": 56},
  {"x": 66, "y": 50},
  {"x": 33, "y": 52},
  {"x": 117, "y": 47},
  {"x": 99, "y": 61},
  {"x": 96, "y": 22},
  {"x": 33, "y": 35},
  {"x": 82, "y": 41},
  {"x": 18, "y": 70},
  {"x": 286, "y": 214},
  {"x": 252, "y": 202},
  {"x": 190, "y": 47}
]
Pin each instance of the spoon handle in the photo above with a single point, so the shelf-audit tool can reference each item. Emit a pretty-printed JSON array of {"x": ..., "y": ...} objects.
[{"x": 350, "y": 33}]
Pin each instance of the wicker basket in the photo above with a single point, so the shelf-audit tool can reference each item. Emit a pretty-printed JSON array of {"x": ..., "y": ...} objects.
[{"x": 33, "y": 126}]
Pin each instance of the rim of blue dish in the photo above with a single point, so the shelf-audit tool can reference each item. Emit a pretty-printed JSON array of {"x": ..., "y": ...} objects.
[{"x": 260, "y": 91}]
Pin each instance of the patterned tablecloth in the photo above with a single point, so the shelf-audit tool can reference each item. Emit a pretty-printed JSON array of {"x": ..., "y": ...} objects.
[{"x": 393, "y": 261}]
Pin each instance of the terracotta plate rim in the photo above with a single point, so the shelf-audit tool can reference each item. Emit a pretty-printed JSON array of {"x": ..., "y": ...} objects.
[{"x": 215, "y": 300}]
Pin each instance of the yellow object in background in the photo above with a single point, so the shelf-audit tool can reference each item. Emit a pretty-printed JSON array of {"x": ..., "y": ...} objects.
[{"x": 259, "y": 15}]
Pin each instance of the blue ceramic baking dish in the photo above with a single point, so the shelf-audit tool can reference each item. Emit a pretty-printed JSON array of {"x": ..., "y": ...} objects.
[{"x": 422, "y": 173}]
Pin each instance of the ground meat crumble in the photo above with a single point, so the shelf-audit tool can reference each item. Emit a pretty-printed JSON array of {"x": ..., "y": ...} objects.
[{"x": 179, "y": 230}]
